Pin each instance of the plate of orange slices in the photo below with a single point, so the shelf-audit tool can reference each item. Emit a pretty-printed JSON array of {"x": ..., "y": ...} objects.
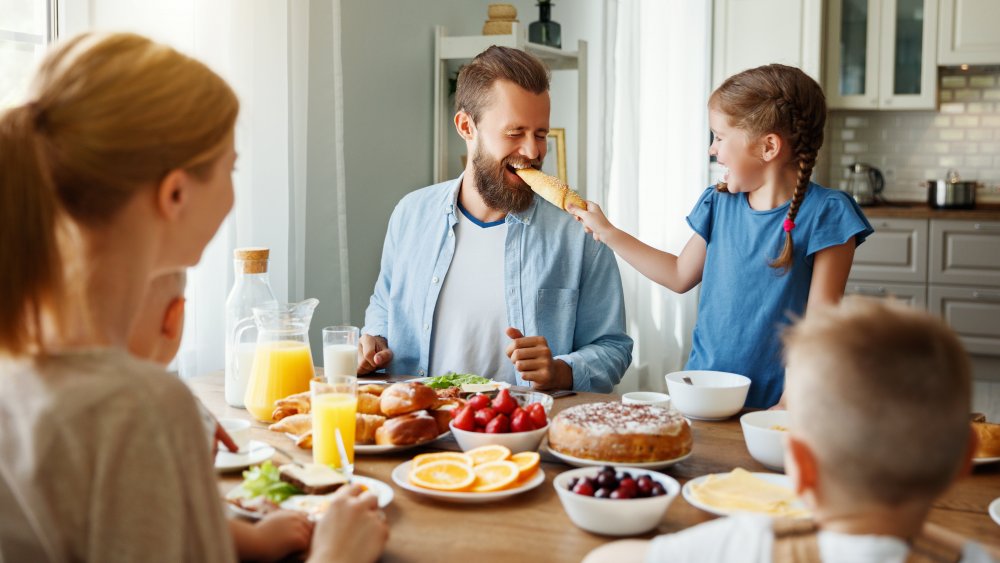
[{"x": 480, "y": 475}]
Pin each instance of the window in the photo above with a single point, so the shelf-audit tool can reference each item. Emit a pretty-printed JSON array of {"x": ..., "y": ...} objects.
[{"x": 26, "y": 27}]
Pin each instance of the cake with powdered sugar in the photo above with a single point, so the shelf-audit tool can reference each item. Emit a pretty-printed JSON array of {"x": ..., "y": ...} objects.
[{"x": 620, "y": 433}]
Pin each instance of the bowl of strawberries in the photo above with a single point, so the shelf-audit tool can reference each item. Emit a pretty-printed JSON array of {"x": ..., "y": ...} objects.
[{"x": 517, "y": 420}]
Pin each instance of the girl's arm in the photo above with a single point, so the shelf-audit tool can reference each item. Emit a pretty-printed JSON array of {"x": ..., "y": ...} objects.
[
  {"x": 677, "y": 273},
  {"x": 831, "y": 266}
]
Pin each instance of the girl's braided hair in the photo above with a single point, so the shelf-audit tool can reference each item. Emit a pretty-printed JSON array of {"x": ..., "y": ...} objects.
[{"x": 783, "y": 100}]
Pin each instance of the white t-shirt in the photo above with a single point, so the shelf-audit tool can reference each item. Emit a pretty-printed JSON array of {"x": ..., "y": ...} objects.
[
  {"x": 471, "y": 313},
  {"x": 749, "y": 539}
]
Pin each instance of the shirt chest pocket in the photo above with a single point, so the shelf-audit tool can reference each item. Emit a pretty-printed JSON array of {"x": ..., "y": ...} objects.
[{"x": 555, "y": 317}]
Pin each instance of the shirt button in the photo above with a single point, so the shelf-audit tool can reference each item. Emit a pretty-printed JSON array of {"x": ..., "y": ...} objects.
[
  {"x": 427, "y": 327},
  {"x": 420, "y": 372},
  {"x": 434, "y": 279},
  {"x": 451, "y": 234}
]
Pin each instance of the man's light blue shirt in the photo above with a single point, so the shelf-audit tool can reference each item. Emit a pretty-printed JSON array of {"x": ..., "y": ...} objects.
[{"x": 558, "y": 283}]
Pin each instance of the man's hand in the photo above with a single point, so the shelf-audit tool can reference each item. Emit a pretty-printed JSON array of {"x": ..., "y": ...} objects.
[
  {"x": 374, "y": 352},
  {"x": 533, "y": 359}
]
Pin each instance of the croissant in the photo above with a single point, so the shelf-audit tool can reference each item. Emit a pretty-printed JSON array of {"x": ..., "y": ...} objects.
[
  {"x": 305, "y": 441},
  {"x": 300, "y": 402},
  {"x": 365, "y": 426},
  {"x": 552, "y": 189},
  {"x": 297, "y": 424}
]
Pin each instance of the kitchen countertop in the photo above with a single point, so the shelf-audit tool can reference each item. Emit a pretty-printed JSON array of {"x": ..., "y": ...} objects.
[{"x": 916, "y": 210}]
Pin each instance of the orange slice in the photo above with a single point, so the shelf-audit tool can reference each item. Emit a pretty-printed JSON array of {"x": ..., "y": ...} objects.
[
  {"x": 443, "y": 475},
  {"x": 486, "y": 454},
  {"x": 495, "y": 476},
  {"x": 527, "y": 464},
  {"x": 424, "y": 459}
]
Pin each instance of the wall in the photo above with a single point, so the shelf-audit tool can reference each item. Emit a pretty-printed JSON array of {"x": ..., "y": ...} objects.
[{"x": 913, "y": 146}]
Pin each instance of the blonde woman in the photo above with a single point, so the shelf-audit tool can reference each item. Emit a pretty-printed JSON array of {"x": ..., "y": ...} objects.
[{"x": 116, "y": 170}]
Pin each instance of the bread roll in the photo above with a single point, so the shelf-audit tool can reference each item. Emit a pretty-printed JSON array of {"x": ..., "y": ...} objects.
[
  {"x": 443, "y": 416},
  {"x": 403, "y": 398},
  {"x": 296, "y": 424},
  {"x": 413, "y": 428},
  {"x": 988, "y": 443},
  {"x": 369, "y": 404},
  {"x": 373, "y": 388},
  {"x": 365, "y": 426},
  {"x": 552, "y": 189}
]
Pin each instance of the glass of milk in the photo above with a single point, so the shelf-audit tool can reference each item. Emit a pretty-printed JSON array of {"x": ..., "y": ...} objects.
[{"x": 340, "y": 350}]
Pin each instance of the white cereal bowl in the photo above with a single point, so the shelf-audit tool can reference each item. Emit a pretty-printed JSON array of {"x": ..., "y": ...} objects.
[
  {"x": 766, "y": 443},
  {"x": 514, "y": 441},
  {"x": 713, "y": 395},
  {"x": 615, "y": 517},
  {"x": 651, "y": 398}
]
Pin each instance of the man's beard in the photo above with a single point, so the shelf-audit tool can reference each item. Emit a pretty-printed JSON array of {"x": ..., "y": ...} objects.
[{"x": 493, "y": 187}]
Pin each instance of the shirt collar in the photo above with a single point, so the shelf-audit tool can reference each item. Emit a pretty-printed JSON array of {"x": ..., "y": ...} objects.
[{"x": 451, "y": 204}]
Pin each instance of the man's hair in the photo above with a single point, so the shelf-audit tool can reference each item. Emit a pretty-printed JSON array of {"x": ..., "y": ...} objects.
[
  {"x": 881, "y": 394},
  {"x": 475, "y": 80}
]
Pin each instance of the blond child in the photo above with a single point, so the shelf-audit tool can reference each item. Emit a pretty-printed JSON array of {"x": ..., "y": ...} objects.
[
  {"x": 767, "y": 241},
  {"x": 878, "y": 399},
  {"x": 156, "y": 336}
]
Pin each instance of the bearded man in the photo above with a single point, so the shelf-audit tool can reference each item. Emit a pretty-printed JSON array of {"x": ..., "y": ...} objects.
[{"x": 480, "y": 276}]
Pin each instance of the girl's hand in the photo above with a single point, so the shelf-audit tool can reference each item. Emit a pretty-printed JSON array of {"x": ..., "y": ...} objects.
[
  {"x": 282, "y": 533},
  {"x": 594, "y": 221}
]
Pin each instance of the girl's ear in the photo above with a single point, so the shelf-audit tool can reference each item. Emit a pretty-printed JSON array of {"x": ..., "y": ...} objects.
[
  {"x": 171, "y": 194},
  {"x": 770, "y": 146}
]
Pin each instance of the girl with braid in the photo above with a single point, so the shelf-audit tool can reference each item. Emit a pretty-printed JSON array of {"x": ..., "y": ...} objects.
[{"x": 768, "y": 243}]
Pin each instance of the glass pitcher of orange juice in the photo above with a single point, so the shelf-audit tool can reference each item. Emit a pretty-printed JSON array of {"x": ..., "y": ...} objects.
[{"x": 282, "y": 363}]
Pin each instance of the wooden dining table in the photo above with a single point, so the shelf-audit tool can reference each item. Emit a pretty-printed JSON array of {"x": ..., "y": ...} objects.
[{"x": 533, "y": 525}]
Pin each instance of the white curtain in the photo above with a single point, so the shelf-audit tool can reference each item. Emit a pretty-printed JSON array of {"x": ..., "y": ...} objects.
[
  {"x": 656, "y": 75},
  {"x": 261, "y": 47}
]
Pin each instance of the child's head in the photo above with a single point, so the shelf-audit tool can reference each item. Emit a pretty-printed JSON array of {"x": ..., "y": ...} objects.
[
  {"x": 156, "y": 330},
  {"x": 768, "y": 116},
  {"x": 879, "y": 397}
]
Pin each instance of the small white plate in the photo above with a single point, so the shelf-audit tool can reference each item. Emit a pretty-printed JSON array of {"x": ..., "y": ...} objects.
[
  {"x": 374, "y": 449},
  {"x": 995, "y": 510},
  {"x": 581, "y": 462},
  {"x": 984, "y": 460},
  {"x": 313, "y": 505},
  {"x": 400, "y": 476},
  {"x": 257, "y": 452},
  {"x": 773, "y": 478}
]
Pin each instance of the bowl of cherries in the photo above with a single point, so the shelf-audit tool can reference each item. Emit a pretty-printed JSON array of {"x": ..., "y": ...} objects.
[{"x": 615, "y": 501}]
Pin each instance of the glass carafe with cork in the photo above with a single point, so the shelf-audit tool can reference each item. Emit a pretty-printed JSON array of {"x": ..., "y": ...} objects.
[{"x": 252, "y": 288}]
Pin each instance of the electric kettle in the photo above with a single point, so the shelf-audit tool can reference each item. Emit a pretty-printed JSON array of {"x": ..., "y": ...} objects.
[{"x": 865, "y": 183}]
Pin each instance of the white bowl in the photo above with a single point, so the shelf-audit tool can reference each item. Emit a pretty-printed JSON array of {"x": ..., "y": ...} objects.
[
  {"x": 615, "y": 517},
  {"x": 661, "y": 400},
  {"x": 514, "y": 441},
  {"x": 714, "y": 395},
  {"x": 765, "y": 443}
]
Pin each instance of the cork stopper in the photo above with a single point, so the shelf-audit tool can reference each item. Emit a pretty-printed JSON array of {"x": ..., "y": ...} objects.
[{"x": 254, "y": 259}]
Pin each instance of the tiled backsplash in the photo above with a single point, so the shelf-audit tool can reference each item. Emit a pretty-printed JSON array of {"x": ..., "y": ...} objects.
[{"x": 912, "y": 146}]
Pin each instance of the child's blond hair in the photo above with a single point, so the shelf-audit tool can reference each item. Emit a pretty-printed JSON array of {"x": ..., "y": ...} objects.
[{"x": 881, "y": 393}]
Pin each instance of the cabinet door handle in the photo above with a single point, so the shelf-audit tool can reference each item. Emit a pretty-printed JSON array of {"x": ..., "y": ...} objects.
[
  {"x": 986, "y": 295},
  {"x": 986, "y": 227},
  {"x": 869, "y": 290}
]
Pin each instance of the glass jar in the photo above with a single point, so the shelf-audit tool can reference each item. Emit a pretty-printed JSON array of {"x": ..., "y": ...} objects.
[{"x": 252, "y": 288}]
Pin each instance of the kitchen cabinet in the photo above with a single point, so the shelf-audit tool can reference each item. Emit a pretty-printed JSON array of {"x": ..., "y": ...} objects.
[
  {"x": 881, "y": 54},
  {"x": 951, "y": 267},
  {"x": 751, "y": 33},
  {"x": 967, "y": 33}
]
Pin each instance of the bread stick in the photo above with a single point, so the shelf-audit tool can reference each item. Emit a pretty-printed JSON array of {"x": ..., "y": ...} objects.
[{"x": 551, "y": 189}]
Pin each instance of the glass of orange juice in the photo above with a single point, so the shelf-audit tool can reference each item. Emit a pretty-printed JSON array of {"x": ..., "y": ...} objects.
[{"x": 334, "y": 406}]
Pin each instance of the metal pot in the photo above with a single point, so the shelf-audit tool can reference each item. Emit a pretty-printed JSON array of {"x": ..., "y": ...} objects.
[{"x": 952, "y": 193}]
